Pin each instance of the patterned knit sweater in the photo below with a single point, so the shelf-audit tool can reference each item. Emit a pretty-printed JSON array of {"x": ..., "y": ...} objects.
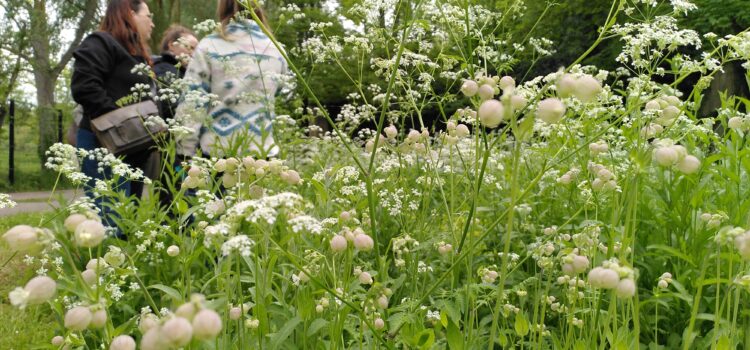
[{"x": 241, "y": 71}]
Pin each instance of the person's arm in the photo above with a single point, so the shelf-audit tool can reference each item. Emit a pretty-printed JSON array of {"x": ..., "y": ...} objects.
[{"x": 93, "y": 61}]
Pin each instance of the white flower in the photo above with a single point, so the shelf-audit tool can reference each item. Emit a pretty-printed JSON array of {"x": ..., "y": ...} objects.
[
  {"x": 89, "y": 233},
  {"x": 241, "y": 244},
  {"x": 206, "y": 324},
  {"x": 550, "y": 110}
]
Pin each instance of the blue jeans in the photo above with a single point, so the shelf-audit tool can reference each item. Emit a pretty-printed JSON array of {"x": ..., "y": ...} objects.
[{"x": 86, "y": 140}]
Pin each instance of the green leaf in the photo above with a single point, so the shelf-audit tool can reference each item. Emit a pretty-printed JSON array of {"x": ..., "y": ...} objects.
[
  {"x": 723, "y": 343},
  {"x": 521, "y": 325},
  {"x": 443, "y": 318},
  {"x": 173, "y": 293},
  {"x": 315, "y": 326},
  {"x": 279, "y": 337},
  {"x": 425, "y": 339},
  {"x": 454, "y": 336},
  {"x": 674, "y": 252}
]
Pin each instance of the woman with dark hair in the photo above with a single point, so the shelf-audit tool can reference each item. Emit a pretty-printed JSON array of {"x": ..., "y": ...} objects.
[
  {"x": 177, "y": 45},
  {"x": 103, "y": 74},
  {"x": 240, "y": 66}
]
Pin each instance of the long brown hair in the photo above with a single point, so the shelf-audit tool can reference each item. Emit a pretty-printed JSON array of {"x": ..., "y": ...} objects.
[
  {"x": 228, "y": 10},
  {"x": 119, "y": 22}
]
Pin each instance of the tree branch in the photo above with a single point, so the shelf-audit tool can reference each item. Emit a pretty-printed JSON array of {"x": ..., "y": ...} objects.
[{"x": 84, "y": 25}]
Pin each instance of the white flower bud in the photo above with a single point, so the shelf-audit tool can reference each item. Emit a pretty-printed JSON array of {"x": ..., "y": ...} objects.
[
  {"x": 252, "y": 323},
  {"x": 444, "y": 249},
  {"x": 232, "y": 164},
  {"x": 653, "y": 105},
  {"x": 363, "y": 242},
  {"x": 345, "y": 216},
  {"x": 206, "y": 324},
  {"x": 566, "y": 85},
  {"x": 235, "y": 313},
  {"x": 78, "y": 318},
  {"x": 587, "y": 88},
  {"x": 98, "y": 319},
  {"x": 173, "y": 250},
  {"x": 319, "y": 308},
  {"x": 383, "y": 302},
  {"x": 462, "y": 130},
  {"x": 672, "y": 100},
  {"x": 735, "y": 123},
  {"x": 491, "y": 113},
  {"x": 663, "y": 284},
  {"x": 154, "y": 340},
  {"x": 550, "y": 110},
  {"x": 580, "y": 263},
  {"x": 220, "y": 165},
  {"x": 608, "y": 279},
  {"x": 147, "y": 322},
  {"x": 379, "y": 323},
  {"x": 625, "y": 288},
  {"x": 177, "y": 331},
  {"x": 517, "y": 102},
  {"x": 391, "y": 132},
  {"x": 40, "y": 289},
  {"x": 122, "y": 342},
  {"x": 58, "y": 340},
  {"x": 689, "y": 164},
  {"x": 89, "y": 234},
  {"x": 22, "y": 238},
  {"x": 365, "y": 277},
  {"x": 89, "y": 276},
  {"x": 73, "y": 220},
  {"x": 469, "y": 88},
  {"x": 338, "y": 243},
  {"x": 506, "y": 83},
  {"x": 665, "y": 156},
  {"x": 486, "y": 91},
  {"x": 292, "y": 177},
  {"x": 186, "y": 311},
  {"x": 671, "y": 112},
  {"x": 568, "y": 269}
]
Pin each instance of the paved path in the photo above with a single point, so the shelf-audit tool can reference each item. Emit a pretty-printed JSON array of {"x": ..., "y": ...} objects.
[{"x": 31, "y": 202}]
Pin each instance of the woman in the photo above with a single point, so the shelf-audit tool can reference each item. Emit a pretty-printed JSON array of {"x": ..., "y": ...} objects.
[
  {"x": 103, "y": 75},
  {"x": 239, "y": 66}
]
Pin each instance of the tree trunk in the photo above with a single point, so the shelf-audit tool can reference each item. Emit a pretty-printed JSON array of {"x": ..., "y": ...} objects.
[
  {"x": 45, "y": 101},
  {"x": 9, "y": 89}
]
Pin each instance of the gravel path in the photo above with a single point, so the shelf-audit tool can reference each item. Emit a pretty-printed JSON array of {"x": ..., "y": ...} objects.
[{"x": 31, "y": 202}]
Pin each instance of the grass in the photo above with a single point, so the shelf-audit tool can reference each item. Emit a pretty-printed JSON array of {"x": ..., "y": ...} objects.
[
  {"x": 28, "y": 165},
  {"x": 20, "y": 329}
]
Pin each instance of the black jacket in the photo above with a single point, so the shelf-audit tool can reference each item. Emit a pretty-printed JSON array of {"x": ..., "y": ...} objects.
[
  {"x": 102, "y": 75},
  {"x": 167, "y": 71}
]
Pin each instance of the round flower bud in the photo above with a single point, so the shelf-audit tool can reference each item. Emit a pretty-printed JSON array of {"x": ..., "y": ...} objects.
[
  {"x": 568, "y": 269},
  {"x": 363, "y": 242},
  {"x": 40, "y": 289},
  {"x": 595, "y": 276},
  {"x": 390, "y": 131},
  {"x": 462, "y": 130},
  {"x": 486, "y": 91},
  {"x": 653, "y": 105},
  {"x": 229, "y": 180},
  {"x": 206, "y": 324},
  {"x": 98, "y": 264},
  {"x": 580, "y": 263},
  {"x": 78, "y": 318},
  {"x": 550, "y": 110},
  {"x": 58, "y": 340},
  {"x": 173, "y": 250},
  {"x": 663, "y": 284},
  {"x": 220, "y": 165},
  {"x": 73, "y": 220},
  {"x": 122, "y": 342},
  {"x": 345, "y": 216},
  {"x": 491, "y": 113},
  {"x": 625, "y": 288},
  {"x": 587, "y": 88},
  {"x": 383, "y": 302},
  {"x": 672, "y": 100},
  {"x": 338, "y": 243},
  {"x": 506, "y": 83},
  {"x": 89, "y": 234},
  {"x": 469, "y": 88},
  {"x": 566, "y": 85},
  {"x": 235, "y": 313},
  {"x": 365, "y": 278},
  {"x": 186, "y": 311},
  {"x": 517, "y": 102},
  {"x": 89, "y": 276},
  {"x": 232, "y": 164},
  {"x": 319, "y": 308},
  {"x": 98, "y": 319},
  {"x": 609, "y": 279},
  {"x": 147, "y": 322},
  {"x": 177, "y": 331},
  {"x": 735, "y": 123},
  {"x": 154, "y": 340},
  {"x": 671, "y": 112},
  {"x": 689, "y": 164},
  {"x": 444, "y": 249},
  {"x": 665, "y": 156},
  {"x": 379, "y": 323},
  {"x": 194, "y": 171},
  {"x": 22, "y": 238},
  {"x": 293, "y": 177}
]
